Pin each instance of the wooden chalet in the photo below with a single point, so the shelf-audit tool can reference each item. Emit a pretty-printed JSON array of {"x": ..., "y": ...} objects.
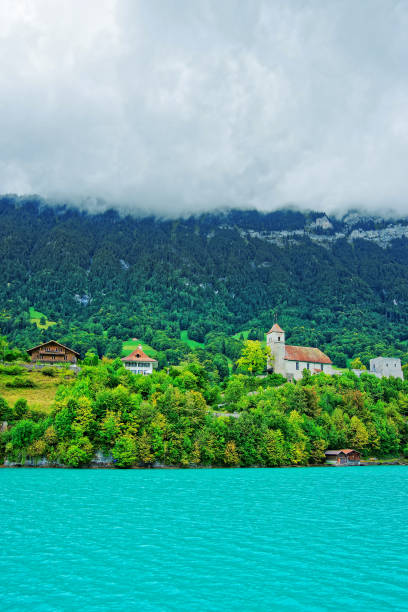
[
  {"x": 343, "y": 456},
  {"x": 53, "y": 352}
]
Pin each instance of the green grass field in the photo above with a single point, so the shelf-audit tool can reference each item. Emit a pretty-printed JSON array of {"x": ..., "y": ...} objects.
[
  {"x": 191, "y": 343},
  {"x": 244, "y": 333},
  {"x": 130, "y": 345},
  {"x": 39, "y": 398},
  {"x": 35, "y": 317}
]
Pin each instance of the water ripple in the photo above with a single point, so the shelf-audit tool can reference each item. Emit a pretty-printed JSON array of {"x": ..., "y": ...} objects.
[{"x": 287, "y": 539}]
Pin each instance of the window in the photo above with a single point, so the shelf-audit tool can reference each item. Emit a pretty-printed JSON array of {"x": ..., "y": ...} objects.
[
  {"x": 278, "y": 338},
  {"x": 308, "y": 366},
  {"x": 297, "y": 365}
]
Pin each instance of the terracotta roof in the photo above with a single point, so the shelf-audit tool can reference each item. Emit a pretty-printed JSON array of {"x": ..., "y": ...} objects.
[
  {"x": 276, "y": 328},
  {"x": 346, "y": 451},
  {"x": 138, "y": 355},
  {"x": 52, "y": 342},
  {"x": 306, "y": 353}
]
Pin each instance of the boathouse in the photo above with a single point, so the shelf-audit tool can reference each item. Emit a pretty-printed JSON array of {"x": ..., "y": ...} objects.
[{"x": 344, "y": 456}]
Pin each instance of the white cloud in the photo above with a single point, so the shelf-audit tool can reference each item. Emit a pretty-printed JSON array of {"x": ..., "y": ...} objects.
[{"x": 175, "y": 106}]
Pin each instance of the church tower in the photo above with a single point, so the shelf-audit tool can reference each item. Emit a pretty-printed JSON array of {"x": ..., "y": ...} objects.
[{"x": 275, "y": 339}]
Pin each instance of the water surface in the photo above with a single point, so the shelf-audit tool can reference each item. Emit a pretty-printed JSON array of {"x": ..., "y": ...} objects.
[{"x": 250, "y": 539}]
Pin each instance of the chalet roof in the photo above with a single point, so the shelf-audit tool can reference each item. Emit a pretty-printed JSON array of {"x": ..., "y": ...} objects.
[
  {"x": 138, "y": 355},
  {"x": 306, "y": 353},
  {"x": 276, "y": 328},
  {"x": 52, "y": 342},
  {"x": 346, "y": 451}
]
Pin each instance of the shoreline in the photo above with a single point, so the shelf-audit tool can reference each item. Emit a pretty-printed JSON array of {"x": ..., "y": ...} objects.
[{"x": 378, "y": 463}]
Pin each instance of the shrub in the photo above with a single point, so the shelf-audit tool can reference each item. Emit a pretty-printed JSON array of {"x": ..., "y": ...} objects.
[
  {"x": 14, "y": 370},
  {"x": 21, "y": 383},
  {"x": 49, "y": 371},
  {"x": 20, "y": 408},
  {"x": 6, "y": 412}
]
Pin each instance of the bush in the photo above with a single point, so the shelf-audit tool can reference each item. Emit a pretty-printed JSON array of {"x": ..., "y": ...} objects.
[
  {"x": 6, "y": 412},
  {"x": 21, "y": 383},
  {"x": 20, "y": 408},
  {"x": 49, "y": 371},
  {"x": 12, "y": 370}
]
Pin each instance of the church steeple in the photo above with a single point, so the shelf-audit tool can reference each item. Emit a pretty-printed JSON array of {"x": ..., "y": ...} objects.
[
  {"x": 275, "y": 340},
  {"x": 275, "y": 334}
]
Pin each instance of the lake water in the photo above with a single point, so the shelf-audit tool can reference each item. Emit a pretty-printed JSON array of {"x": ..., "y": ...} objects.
[{"x": 250, "y": 539}]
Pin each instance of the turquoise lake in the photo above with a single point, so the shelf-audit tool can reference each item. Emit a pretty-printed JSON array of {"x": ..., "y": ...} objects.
[{"x": 238, "y": 539}]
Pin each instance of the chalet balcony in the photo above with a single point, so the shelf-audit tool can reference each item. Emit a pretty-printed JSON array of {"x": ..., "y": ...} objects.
[{"x": 53, "y": 352}]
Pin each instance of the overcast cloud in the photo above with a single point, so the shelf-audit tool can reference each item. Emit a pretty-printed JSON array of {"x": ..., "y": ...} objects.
[{"x": 186, "y": 105}]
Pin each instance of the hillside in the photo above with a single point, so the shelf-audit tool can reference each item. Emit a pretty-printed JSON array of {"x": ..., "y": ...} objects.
[
  {"x": 168, "y": 419},
  {"x": 340, "y": 284}
]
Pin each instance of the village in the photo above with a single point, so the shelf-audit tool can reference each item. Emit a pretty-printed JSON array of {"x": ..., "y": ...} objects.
[
  {"x": 289, "y": 361},
  {"x": 286, "y": 360}
]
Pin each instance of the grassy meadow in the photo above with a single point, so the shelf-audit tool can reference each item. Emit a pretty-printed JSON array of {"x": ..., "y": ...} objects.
[
  {"x": 39, "y": 397},
  {"x": 36, "y": 316},
  {"x": 131, "y": 344},
  {"x": 191, "y": 343}
]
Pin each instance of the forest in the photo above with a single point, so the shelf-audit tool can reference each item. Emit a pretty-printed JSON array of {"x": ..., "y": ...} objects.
[
  {"x": 195, "y": 291},
  {"x": 185, "y": 416},
  {"x": 94, "y": 281}
]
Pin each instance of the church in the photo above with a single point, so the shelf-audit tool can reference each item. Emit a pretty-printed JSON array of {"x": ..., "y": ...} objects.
[{"x": 290, "y": 361}]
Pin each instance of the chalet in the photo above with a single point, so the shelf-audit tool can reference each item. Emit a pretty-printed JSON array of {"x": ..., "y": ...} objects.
[
  {"x": 290, "y": 361},
  {"x": 344, "y": 456},
  {"x": 53, "y": 352},
  {"x": 139, "y": 363}
]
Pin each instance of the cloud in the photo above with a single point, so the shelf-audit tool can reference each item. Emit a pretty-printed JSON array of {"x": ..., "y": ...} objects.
[{"x": 176, "y": 106}]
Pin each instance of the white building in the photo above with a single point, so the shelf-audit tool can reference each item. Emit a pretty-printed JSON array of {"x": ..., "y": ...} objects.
[
  {"x": 139, "y": 363},
  {"x": 290, "y": 361},
  {"x": 386, "y": 366}
]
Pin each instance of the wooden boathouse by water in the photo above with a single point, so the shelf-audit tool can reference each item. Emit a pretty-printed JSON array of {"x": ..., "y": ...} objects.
[{"x": 343, "y": 456}]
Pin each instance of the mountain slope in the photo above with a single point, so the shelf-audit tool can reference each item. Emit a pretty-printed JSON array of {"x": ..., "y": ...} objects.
[{"x": 113, "y": 277}]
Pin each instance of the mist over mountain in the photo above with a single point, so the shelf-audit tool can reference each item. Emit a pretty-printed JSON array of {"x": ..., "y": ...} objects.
[{"x": 175, "y": 108}]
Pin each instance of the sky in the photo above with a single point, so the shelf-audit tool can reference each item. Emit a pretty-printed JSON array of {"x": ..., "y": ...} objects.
[{"x": 181, "y": 106}]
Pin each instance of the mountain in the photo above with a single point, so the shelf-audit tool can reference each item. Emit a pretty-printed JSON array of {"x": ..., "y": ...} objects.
[{"x": 340, "y": 284}]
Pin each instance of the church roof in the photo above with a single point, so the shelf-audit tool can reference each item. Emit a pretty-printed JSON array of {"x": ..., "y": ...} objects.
[
  {"x": 138, "y": 355},
  {"x": 276, "y": 328},
  {"x": 306, "y": 353}
]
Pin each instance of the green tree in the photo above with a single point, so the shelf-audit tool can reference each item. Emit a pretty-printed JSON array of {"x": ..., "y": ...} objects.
[
  {"x": 358, "y": 433},
  {"x": 253, "y": 357},
  {"x": 357, "y": 364},
  {"x": 124, "y": 451},
  {"x": 4, "y": 347}
]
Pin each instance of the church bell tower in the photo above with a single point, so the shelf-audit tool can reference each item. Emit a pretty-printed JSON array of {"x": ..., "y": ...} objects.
[{"x": 275, "y": 340}]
